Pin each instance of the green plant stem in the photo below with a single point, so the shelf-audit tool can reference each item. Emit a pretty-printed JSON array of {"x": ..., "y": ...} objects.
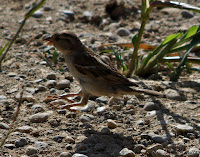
[
  {"x": 11, "y": 42},
  {"x": 136, "y": 48}
]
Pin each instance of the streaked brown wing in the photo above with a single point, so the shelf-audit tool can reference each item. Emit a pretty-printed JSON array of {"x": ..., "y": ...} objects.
[{"x": 93, "y": 66}]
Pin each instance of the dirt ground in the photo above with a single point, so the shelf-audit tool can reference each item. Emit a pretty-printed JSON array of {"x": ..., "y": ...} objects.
[{"x": 143, "y": 126}]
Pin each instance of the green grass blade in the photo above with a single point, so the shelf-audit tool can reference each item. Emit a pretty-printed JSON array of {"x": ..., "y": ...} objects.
[
  {"x": 3, "y": 48},
  {"x": 34, "y": 8}
]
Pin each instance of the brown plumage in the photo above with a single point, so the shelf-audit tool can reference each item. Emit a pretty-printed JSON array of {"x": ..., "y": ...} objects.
[{"x": 95, "y": 76}]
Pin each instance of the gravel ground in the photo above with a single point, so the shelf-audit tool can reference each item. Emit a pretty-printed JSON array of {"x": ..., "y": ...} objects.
[{"x": 130, "y": 126}]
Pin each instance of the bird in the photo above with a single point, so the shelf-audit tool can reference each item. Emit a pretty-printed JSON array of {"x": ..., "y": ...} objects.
[{"x": 95, "y": 76}]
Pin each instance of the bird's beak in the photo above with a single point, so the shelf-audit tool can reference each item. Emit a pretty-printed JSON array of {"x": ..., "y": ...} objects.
[{"x": 49, "y": 40}]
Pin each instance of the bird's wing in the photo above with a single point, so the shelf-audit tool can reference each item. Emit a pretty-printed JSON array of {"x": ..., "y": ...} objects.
[{"x": 90, "y": 64}]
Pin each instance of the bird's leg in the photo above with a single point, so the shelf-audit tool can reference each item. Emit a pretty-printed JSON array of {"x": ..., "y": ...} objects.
[
  {"x": 64, "y": 96},
  {"x": 83, "y": 102}
]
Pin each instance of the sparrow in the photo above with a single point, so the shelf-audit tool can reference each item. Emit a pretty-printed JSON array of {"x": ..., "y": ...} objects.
[{"x": 95, "y": 76}]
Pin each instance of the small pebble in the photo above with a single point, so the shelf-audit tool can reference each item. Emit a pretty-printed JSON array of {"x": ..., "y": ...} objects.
[
  {"x": 30, "y": 150},
  {"x": 65, "y": 154},
  {"x": 111, "y": 124},
  {"x": 123, "y": 32},
  {"x": 21, "y": 142},
  {"x": 9, "y": 146},
  {"x": 51, "y": 83},
  {"x": 63, "y": 84},
  {"x": 79, "y": 155},
  {"x": 38, "y": 14},
  {"x": 69, "y": 140},
  {"x": 193, "y": 152},
  {"x": 180, "y": 128},
  {"x": 187, "y": 14},
  {"x": 105, "y": 131},
  {"x": 161, "y": 153},
  {"x": 138, "y": 148},
  {"x": 25, "y": 129},
  {"x": 127, "y": 153},
  {"x": 40, "y": 145},
  {"x": 51, "y": 76},
  {"x": 86, "y": 118},
  {"x": 102, "y": 109},
  {"x": 39, "y": 117},
  {"x": 12, "y": 74},
  {"x": 37, "y": 108},
  {"x": 4, "y": 125},
  {"x": 47, "y": 8},
  {"x": 58, "y": 138},
  {"x": 26, "y": 97},
  {"x": 149, "y": 106},
  {"x": 102, "y": 99},
  {"x": 154, "y": 148},
  {"x": 172, "y": 94}
]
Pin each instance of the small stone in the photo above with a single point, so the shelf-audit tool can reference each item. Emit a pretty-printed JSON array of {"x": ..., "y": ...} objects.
[
  {"x": 131, "y": 111},
  {"x": 157, "y": 138},
  {"x": 111, "y": 124},
  {"x": 105, "y": 131},
  {"x": 187, "y": 14},
  {"x": 123, "y": 32},
  {"x": 79, "y": 155},
  {"x": 2, "y": 97},
  {"x": 25, "y": 129},
  {"x": 86, "y": 118},
  {"x": 149, "y": 106},
  {"x": 38, "y": 14},
  {"x": 87, "y": 14},
  {"x": 89, "y": 107},
  {"x": 102, "y": 99},
  {"x": 41, "y": 88},
  {"x": 193, "y": 152},
  {"x": 138, "y": 148},
  {"x": 39, "y": 117},
  {"x": 154, "y": 148},
  {"x": 12, "y": 74},
  {"x": 102, "y": 109},
  {"x": 172, "y": 94},
  {"x": 69, "y": 140},
  {"x": 51, "y": 76},
  {"x": 51, "y": 83},
  {"x": 54, "y": 122},
  {"x": 63, "y": 84},
  {"x": 9, "y": 146},
  {"x": 180, "y": 128},
  {"x": 65, "y": 154},
  {"x": 4, "y": 125},
  {"x": 68, "y": 14},
  {"x": 26, "y": 97},
  {"x": 58, "y": 138},
  {"x": 30, "y": 150},
  {"x": 127, "y": 153},
  {"x": 140, "y": 122},
  {"x": 21, "y": 142},
  {"x": 47, "y": 8},
  {"x": 40, "y": 145},
  {"x": 37, "y": 108},
  {"x": 161, "y": 153}
]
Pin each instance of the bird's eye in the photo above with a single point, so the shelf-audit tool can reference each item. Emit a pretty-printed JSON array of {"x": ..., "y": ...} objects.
[{"x": 57, "y": 38}]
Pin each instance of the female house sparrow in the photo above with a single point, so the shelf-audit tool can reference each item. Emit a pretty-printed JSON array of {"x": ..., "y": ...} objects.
[{"x": 96, "y": 78}]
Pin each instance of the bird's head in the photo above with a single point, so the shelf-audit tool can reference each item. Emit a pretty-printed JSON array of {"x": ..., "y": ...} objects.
[{"x": 64, "y": 41}]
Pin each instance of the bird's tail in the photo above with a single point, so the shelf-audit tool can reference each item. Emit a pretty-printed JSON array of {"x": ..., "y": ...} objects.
[{"x": 148, "y": 92}]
